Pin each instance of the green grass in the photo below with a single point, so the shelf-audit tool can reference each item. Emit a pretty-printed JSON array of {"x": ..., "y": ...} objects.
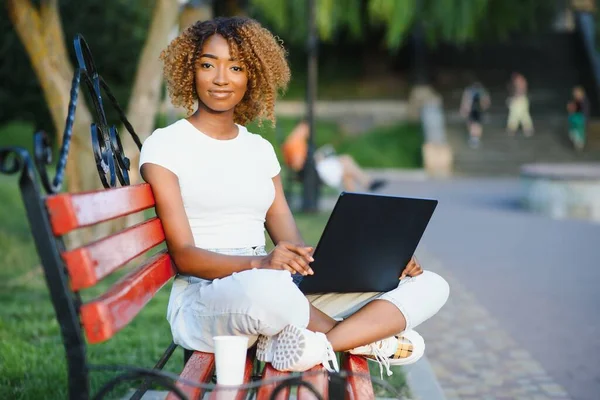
[
  {"x": 32, "y": 359},
  {"x": 17, "y": 133}
]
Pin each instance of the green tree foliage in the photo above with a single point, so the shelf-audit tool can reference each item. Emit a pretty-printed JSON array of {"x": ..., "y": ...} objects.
[
  {"x": 455, "y": 21},
  {"x": 115, "y": 32}
]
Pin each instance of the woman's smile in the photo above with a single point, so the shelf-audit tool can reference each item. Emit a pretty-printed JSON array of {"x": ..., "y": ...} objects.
[{"x": 220, "y": 94}]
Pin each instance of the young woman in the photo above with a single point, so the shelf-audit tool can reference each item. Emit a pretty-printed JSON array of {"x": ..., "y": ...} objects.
[{"x": 217, "y": 187}]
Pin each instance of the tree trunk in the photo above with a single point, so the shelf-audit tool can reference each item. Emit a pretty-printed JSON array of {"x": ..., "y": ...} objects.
[
  {"x": 145, "y": 96},
  {"x": 41, "y": 33}
]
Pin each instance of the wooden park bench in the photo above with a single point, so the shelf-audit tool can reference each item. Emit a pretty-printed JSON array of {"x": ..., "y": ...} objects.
[{"x": 68, "y": 271}]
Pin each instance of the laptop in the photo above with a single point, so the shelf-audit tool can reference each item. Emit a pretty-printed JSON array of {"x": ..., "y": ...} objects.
[{"x": 367, "y": 242}]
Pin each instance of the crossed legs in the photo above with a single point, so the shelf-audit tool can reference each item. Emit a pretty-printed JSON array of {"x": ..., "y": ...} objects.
[
  {"x": 377, "y": 320},
  {"x": 252, "y": 311},
  {"x": 369, "y": 317}
]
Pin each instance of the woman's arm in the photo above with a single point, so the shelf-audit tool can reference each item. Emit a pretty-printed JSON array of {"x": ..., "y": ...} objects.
[
  {"x": 189, "y": 259},
  {"x": 280, "y": 222},
  {"x": 282, "y": 229}
]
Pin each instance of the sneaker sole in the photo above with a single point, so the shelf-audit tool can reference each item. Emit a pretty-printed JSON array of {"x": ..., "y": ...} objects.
[
  {"x": 416, "y": 350},
  {"x": 289, "y": 348},
  {"x": 408, "y": 353},
  {"x": 264, "y": 348}
]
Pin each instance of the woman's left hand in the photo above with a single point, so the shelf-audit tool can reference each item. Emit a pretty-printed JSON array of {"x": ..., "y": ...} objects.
[{"x": 413, "y": 268}]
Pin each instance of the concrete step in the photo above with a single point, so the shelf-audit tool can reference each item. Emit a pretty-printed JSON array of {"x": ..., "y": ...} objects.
[{"x": 501, "y": 155}]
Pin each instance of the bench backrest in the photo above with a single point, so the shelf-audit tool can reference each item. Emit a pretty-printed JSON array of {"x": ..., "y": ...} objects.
[
  {"x": 69, "y": 271},
  {"x": 87, "y": 265}
]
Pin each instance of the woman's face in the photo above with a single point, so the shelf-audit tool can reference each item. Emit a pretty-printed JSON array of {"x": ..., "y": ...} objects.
[{"x": 221, "y": 82}]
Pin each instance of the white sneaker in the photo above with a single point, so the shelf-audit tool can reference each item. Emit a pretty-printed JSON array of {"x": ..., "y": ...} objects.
[
  {"x": 297, "y": 349},
  {"x": 404, "y": 349}
]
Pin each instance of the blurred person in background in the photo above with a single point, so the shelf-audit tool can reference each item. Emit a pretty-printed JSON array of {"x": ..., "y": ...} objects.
[
  {"x": 578, "y": 109},
  {"x": 337, "y": 171},
  {"x": 475, "y": 101},
  {"x": 518, "y": 107}
]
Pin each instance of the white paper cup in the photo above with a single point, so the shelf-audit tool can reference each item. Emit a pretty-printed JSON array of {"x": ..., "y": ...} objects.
[{"x": 230, "y": 359}]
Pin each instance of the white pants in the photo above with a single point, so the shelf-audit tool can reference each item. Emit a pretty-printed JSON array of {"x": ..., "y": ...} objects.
[
  {"x": 260, "y": 301},
  {"x": 518, "y": 114},
  {"x": 331, "y": 171}
]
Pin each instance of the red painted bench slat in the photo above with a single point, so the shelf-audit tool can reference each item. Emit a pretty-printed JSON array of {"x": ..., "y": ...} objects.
[
  {"x": 265, "y": 392},
  {"x": 71, "y": 211},
  {"x": 358, "y": 387},
  {"x": 109, "y": 313},
  {"x": 89, "y": 264},
  {"x": 320, "y": 381},
  {"x": 247, "y": 373},
  {"x": 199, "y": 368}
]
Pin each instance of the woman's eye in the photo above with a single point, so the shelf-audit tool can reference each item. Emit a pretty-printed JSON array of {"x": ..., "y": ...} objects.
[
  {"x": 205, "y": 65},
  {"x": 237, "y": 69}
]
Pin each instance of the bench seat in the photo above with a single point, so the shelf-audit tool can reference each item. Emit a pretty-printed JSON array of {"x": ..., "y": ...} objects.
[{"x": 200, "y": 368}]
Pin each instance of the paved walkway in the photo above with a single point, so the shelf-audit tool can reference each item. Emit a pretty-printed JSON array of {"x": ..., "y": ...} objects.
[
  {"x": 522, "y": 319},
  {"x": 472, "y": 355}
]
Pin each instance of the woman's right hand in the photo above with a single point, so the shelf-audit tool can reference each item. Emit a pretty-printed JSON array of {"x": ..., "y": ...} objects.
[{"x": 289, "y": 257}]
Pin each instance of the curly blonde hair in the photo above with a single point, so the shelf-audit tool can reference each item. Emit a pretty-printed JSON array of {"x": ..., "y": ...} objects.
[{"x": 261, "y": 54}]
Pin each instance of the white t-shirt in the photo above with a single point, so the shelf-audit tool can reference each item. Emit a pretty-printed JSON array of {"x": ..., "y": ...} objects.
[{"x": 226, "y": 185}]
